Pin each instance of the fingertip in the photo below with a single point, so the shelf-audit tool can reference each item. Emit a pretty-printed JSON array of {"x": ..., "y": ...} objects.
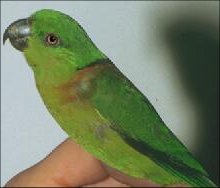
[
  {"x": 72, "y": 166},
  {"x": 108, "y": 182},
  {"x": 68, "y": 165}
]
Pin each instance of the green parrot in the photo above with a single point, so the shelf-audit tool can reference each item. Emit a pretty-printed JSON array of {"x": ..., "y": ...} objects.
[{"x": 97, "y": 106}]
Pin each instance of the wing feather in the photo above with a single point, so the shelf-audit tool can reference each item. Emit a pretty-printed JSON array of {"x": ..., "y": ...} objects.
[{"x": 135, "y": 119}]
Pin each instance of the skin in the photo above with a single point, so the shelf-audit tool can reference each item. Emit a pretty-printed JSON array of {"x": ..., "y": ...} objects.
[
  {"x": 100, "y": 109},
  {"x": 86, "y": 171}
]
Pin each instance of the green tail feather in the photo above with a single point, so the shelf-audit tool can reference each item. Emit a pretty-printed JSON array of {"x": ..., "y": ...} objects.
[
  {"x": 192, "y": 176},
  {"x": 195, "y": 179},
  {"x": 199, "y": 181}
]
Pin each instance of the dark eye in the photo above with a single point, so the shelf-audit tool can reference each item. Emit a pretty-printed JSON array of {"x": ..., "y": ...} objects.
[{"x": 52, "y": 39}]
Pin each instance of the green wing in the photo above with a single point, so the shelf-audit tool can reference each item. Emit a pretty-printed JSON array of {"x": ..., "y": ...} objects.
[{"x": 134, "y": 118}]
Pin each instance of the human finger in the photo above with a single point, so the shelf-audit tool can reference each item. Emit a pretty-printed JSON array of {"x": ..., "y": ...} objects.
[{"x": 66, "y": 165}]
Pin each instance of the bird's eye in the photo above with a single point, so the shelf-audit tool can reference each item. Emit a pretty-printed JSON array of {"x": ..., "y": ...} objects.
[{"x": 52, "y": 39}]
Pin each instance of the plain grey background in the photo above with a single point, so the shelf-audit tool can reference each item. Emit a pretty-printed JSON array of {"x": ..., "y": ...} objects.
[{"x": 132, "y": 35}]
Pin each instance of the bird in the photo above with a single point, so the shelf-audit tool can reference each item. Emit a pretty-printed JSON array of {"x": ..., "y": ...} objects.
[{"x": 99, "y": 107}]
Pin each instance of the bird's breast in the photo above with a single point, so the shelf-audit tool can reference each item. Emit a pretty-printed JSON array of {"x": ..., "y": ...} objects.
[{"x": 68, "y": 102}]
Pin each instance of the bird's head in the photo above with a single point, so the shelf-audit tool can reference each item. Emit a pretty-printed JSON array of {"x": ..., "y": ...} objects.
[{"x": 53, "y": 43}]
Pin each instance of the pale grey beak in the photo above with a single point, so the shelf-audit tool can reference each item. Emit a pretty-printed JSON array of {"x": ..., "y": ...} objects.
[{"x": 18, "y": 33}]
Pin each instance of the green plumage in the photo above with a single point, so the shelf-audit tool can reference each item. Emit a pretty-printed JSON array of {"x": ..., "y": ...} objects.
[
  {"x": 101, "y": 109},
  {"x": 141, "y": 127}
]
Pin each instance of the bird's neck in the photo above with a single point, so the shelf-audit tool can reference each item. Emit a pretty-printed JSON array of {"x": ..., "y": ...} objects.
[
  {"x": 72, "y": 89},
  {"x": 53, "y": 67}
]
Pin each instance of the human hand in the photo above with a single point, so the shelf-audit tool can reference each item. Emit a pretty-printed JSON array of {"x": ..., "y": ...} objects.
[{"x": 70, "y": 166}]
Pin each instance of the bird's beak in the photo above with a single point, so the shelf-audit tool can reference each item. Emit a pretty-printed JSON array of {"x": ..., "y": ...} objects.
[{"x": 18, "y": 33}]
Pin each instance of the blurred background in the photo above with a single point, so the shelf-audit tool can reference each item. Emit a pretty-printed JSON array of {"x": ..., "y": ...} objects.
[{"x": 169, "y": 50}]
